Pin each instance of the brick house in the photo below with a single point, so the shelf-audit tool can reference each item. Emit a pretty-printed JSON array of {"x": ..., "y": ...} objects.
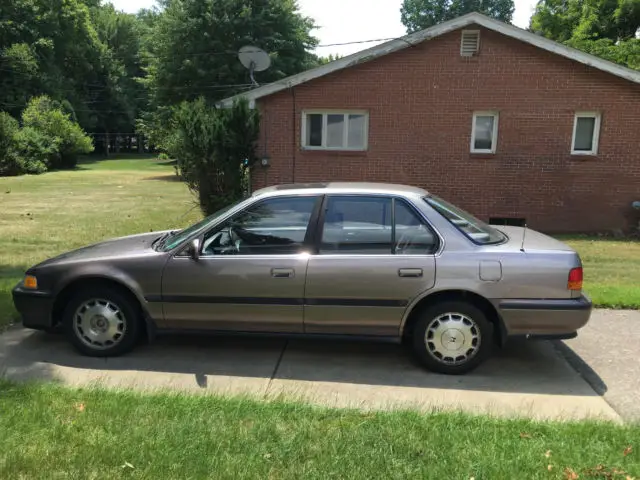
[{"x": 509, "y": 125}]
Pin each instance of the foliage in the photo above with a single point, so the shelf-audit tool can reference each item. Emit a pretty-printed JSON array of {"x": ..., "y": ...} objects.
[
  {"x": 420, "y": 14},
  {"x": 34, "y": 150},
  {"x": 62, "y": 138},
  {"x": 193, "y": 46},
  {"x": 8, "y": 155},
  {"x": 214, "y": 149},
  {"x": 330, "y": 58},
  {"x": 564, "y": 20}
]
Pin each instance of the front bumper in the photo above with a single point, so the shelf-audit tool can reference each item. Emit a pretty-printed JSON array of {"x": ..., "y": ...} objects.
[
  {"x": 553, "y": 318},
  {"x": 35, "y": 307}
]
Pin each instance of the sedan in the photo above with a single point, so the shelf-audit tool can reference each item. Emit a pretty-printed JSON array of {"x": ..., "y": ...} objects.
[{"x": 331, "y": 260}]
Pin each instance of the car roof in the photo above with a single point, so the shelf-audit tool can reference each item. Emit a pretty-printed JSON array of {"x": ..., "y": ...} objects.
[{"x": 340, "y": 187}]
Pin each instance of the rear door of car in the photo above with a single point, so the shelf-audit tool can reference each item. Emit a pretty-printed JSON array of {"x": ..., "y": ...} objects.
[{"x": 374, "y": 254}]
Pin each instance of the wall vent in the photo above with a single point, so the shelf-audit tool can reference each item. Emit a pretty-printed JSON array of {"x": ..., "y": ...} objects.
[{"x": 469, "y": 43}]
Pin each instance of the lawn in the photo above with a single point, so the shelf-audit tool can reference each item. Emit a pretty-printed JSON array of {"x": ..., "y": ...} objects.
[
  {"x": 106, "y": 434},
  {"x": 611, "y": 270},
  {"x": 41, "y": 216},
  {"x": 44, "y": 215}
]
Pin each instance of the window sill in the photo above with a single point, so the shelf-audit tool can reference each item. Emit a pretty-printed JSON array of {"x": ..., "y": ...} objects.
[
  {"x": 481, "y": 155},
  {"x": 334, "y": 153}
]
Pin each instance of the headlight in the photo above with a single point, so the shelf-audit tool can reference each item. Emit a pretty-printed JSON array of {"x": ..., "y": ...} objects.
[{"x": 30, "y": 282}]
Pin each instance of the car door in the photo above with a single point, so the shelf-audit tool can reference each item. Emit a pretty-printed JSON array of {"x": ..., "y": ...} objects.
[
  {"x": 374, "y": 255},
  {"x": 250, "y": 273}
]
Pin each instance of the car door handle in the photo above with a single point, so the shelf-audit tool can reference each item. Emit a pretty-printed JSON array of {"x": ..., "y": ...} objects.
[
  {"x": 283, "y": 272},
  {"x": 410, "y": 272}
]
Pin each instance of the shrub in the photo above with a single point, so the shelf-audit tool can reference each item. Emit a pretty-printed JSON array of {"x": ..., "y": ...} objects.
[
  {"x": 33, "y": 150},
  {"x": 163, "y": 156},
  {"x": 8, "y": 155},
  {"x": 65, "y": 140},
  {"x": 214, "y": 149}
]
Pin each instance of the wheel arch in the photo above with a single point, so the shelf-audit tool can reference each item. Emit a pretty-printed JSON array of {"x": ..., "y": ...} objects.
[
  {"x": 433, "y": 298},
  {"x": 73, "y": 284}
]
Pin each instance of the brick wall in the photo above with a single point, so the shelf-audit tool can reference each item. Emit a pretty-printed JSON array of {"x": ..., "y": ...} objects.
[{"x": 420, "y": 102}]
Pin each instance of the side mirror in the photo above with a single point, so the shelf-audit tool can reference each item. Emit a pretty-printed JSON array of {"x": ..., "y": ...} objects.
[{"x": 194, "y": 249}]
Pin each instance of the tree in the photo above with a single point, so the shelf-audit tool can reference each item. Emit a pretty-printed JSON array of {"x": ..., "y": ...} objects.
[
  {"x": 192, "y": 48},
  {"x": 606, "y": 28},
  {"x": 563, "y": 20},
  {"x": 420, "y": 14},
  {"x": 214, "y": 149}
]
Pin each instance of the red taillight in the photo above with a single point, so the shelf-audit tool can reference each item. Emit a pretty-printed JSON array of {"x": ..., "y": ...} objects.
[{"x": 575, "y": 279}]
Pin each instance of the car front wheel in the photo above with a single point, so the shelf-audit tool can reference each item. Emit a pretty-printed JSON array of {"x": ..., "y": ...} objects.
[
  {"x": 452, "y": 337},
  {"x": 102, "y": 322}
]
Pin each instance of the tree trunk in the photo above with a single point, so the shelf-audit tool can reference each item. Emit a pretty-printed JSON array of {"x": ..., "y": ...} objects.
[
  {"x": 140, "y": 143},
  {"x": 106, "y": 144}
]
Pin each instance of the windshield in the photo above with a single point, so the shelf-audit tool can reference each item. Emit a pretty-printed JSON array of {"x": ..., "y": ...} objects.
[
  {"x": 476, "y": 230},
  {"x": 176, "y": 238}
]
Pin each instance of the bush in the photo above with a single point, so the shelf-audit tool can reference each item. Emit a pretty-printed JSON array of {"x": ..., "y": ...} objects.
[
  {"x": 8, "y": 155},
  {"x": 163, "y": 156},
  {"x": 214, "y": 149},
  {"x": 64, "y": 139},
  {"x": 33, "y": 150}
]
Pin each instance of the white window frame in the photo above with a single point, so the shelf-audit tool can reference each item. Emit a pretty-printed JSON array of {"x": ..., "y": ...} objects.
[
  {"x": 596, "y": 133},
  {"x": 494, "y": 136},
  {"x": 325, "y": 113}
]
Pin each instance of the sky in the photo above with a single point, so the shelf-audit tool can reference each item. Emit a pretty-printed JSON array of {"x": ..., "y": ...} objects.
[{"x": 341, "y": 21}]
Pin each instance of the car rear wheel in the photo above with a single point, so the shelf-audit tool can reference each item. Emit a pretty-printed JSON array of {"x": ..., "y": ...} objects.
[
  {"x": 102, "y": 322},
  {"x": 452, "y": 337}
]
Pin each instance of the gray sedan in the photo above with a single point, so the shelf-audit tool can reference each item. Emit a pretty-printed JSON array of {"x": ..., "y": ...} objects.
[{"x": 323, "y": 260}]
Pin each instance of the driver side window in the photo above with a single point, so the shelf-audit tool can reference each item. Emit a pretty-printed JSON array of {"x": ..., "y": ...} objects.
[{"x": 276, "y": 226}]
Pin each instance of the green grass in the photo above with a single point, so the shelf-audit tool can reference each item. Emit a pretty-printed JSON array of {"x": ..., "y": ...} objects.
[
  {"x": 54, "y": 432},
  {"x": 611, "y": 270},
  {"x": 42, "y": 216}
]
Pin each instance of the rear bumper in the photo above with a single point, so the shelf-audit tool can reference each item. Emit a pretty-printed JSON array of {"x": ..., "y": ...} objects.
[
  {"x": 34, "y": 307},
  {"x": 553, "y": 318}
]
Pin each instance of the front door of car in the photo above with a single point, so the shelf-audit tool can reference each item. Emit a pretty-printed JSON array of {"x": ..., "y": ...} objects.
[
  {"x": 250, "y": 273},
  {"x": 375, "y": 254}
]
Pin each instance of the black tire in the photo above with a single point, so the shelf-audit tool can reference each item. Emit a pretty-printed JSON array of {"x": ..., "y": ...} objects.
[
  {"x": 129, "y": 314},
  {"x": 426, "y": 351}
]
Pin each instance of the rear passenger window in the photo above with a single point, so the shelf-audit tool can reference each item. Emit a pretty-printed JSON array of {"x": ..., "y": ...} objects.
[
  {"x": 365, "y": 225},
  {"x": 357, "y": 224},
  {"x": 412, "y": 235}
]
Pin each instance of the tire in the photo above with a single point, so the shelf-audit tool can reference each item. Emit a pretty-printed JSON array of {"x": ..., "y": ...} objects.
[
  {"x": 456, "y": 328},
  {"x": 102, "y": 322}
]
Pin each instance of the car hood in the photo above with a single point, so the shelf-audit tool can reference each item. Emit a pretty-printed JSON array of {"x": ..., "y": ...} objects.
[{"x": 132, "y": 245}]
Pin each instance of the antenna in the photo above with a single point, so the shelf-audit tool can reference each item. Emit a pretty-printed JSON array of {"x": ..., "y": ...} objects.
[
  {"x": 524, "y": 233},
  {"x": 254, "y": 59}
]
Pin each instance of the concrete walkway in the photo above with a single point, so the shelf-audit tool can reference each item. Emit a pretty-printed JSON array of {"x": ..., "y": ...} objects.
[
  {"x": 607, "y": 355},
  {"x": 525, "y": 379}
]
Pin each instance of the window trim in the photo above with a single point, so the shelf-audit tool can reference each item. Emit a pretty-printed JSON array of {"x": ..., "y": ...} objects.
[
  {"x": 595, "y": 139},
  {"x": 325, "y": 113},
  {"x": 494, "y": 136},
  {"x": 307, "y": 244},
  {"x": 319, "y": 226}
]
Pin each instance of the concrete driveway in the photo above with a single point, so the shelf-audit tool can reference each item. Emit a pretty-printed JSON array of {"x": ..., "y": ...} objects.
[{"x": 526, "y": 379}]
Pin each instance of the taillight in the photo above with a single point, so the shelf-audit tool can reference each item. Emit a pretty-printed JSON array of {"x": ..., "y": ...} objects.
[{"x": 575, "y": 279}]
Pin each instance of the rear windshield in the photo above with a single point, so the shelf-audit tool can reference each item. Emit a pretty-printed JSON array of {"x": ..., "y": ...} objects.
[{"x": 476, "y": 230}]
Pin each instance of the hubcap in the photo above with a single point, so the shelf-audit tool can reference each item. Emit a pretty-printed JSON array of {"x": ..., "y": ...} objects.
[
  {"x": 452, "y": 338},
  {"x": 99, "y": 324}
]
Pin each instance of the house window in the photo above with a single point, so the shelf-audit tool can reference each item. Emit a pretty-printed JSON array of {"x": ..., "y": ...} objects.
[
  {"x": 484, "y": 132},
  {"x": 586, "y": 131},
  {"x": 335, "y": 130}
]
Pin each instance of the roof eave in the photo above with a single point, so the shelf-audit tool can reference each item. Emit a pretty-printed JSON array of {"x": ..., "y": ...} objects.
[{"x": 432, "y": 32}]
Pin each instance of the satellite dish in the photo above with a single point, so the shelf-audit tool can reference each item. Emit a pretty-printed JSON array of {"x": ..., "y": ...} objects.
[{"x": 254, "y": 59}]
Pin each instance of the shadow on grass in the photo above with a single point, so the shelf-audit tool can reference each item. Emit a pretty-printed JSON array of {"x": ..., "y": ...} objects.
[{"x": 165, "y": 178}]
